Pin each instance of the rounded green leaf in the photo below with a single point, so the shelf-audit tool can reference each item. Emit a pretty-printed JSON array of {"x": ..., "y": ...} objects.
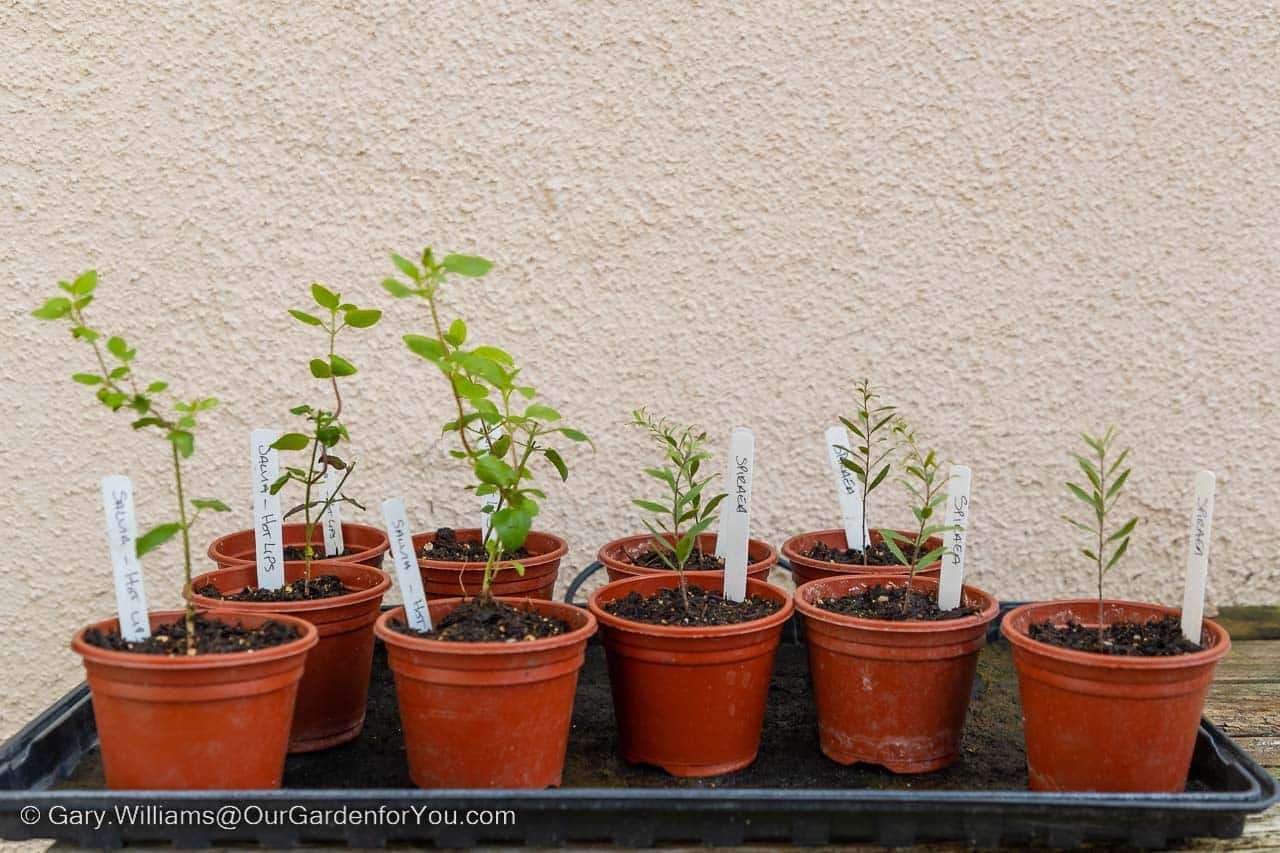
[
  {"x": 468, "y": 265},
  {"x": 457, "y": 333},
  {"x": 340, "y": 366},
  {"x": 324, "y": 297},
  {"x": 53, "y": 309},
  {"x": 320, "y": 369},
  {"x": 428, "y": 348},
  {"x": 291, "y": 441},
  {"x": 363, "y": 318}
]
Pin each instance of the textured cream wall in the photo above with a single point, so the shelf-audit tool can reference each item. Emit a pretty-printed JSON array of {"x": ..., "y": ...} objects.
[{"x": 727, "y": 211}]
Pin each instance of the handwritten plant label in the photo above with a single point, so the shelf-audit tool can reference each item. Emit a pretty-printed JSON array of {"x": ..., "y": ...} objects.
[
  {"x": 122, "y": 534},
  {"x": 332, "y": 519},
  {"x": 406, "y": 562},
  {"x": 958, "y": 518},
  {"x": 268, "y": 532},
  {"x": 735, "y": 517},
  {"x": 1198, "y": 557},
  {"x": 855, "y": 530}
]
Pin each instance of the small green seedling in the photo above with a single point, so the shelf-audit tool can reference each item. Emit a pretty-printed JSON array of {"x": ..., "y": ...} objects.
[
  {"x": 682, "y": 514},
  {"x": 325, "y": 428},
  {"x": 1105, "y": 479},
  {"x": 870, "y": 460},
  {"x": 120, "y": 388},
  {"x": 926, "y": 486},
  {"x": 503, "y": 432}
]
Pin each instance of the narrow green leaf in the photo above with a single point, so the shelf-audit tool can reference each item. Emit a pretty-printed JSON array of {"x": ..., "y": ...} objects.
[
  {"x": 468, "y": 265},
  {"x": 573, "y": 434},
  {"x": 1119, "y": 482},
  {"x": 157, "y": 387},
  {"x": 405, "y": 266},
  {"x": 1115, "y": 558},
  {"x": 155, "y": 537},
  {"x": 86, "y": 378},
  {"x": 1123, "y": 531},
  {"x": 309, "y": 319},
  {"x": 396, "y": 288},
  {"x": 210, "y": 503},
  {"x": 553, "y": 456},
  {"x": 1082, "y": 494},
  {"x": 651, "y": 506}
]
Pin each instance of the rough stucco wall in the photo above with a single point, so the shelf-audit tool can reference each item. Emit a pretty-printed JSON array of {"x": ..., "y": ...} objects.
[{"x": 727, "y": 213}]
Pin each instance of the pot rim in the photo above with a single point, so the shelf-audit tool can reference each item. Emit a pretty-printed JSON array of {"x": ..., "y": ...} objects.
[
  {"x": 536, "y": 561},
  {"x": 793, "y": 555},
  {"x": 307, "y": 605},
  {"x": 310, "y": 635},
  {"x": 217, "y": 554},
  {"x": 579, "y": 634},
  {"x": 770, "y": 559},
  {"x": 692, "y": 631},
  {"x": 990, "y": 609},
  {"x": 1021, "y": 640}
]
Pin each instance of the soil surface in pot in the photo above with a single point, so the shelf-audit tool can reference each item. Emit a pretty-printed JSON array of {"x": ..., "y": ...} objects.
[
  {"x": 447, "y": 549},
  {"x": 476, "y": 621},
  {"x": 320, "y": 586},
  {"x": 213, "y": 637},
  {"x": 891, "y": 604},
  {"x": 296, "y": 553},
  {"x": 1158, "y": 638},
  {"x": 706, "y": 607},
  {"x": 699, "y": 561},
  {"x": 878, "y": 554}
]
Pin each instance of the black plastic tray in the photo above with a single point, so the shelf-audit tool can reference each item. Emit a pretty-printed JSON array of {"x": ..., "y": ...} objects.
[{"x": 792, "y": 794}]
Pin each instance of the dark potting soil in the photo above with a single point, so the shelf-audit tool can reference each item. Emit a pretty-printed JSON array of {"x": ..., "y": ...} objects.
[
  {"x": 476, "y": 621},
  {"x": 878, "y": 554},
  {"x": 699, "y": 561},
  {"x": 213, "y": 637},
  {"x": 706, "y": 607},
  {"x": 992, "y": 755},
  {"x": 1159, "y": 638},
  {"x": 296, "y": 553},
  {"x": 320, "y": 586},
  {"x": 447, "y": 549},
  {"x": 887, "y": 604}
]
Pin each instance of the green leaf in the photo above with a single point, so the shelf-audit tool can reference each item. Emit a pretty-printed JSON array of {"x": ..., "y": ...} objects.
[
  {"x": 428, "y": 348},
  {"x": 86, "y": 378},
  {"x": 157, "y": 387},
  {"x": 471, "y": 390},
  {"x": 363, "y": 318},
  {"x": 879, "y": 478},
  {"x": 309, "y": 319},
  {"x": 54, "y": 309},
  {"x": 1089, "y": 554},
  {"x": 117, "y": 347},
  {"x": 1119, "y": 482},
  {"x": 142, "y": 423},
  {"x": 662, "y": 475},
  {"x": 457, "y": 333},
  {"x": 1086, "y": 528},
  {"x": 1089, "y": 471},
  {"x": 1115, "y": 558},
  {"x": 183, "y": 440},
  {"x": 541, "y": 412},
  {"x": 119, "y": 373},
  {"x": 84, "y": 283},
  {"x": 405, "y": 266},
  {"x": 573, "y": 434},
  {"x": 279, "y": 482},
  {"x": 85, "y": 332},
  {"x": 340, "y": 366},
  {"x": 320, "y": 369},
  {"x": 396, "y": 288},
  {"x": 494, "y": 354},
  {"x": 491, "y": 469},
  {"x": 468, "y": 265},
  {"x": 304, "y": 409},
  {"x": 155, "y": 537},
  {"x": 324, "y": 297},
  {"x": 896, "y": 550},
  {"x": 292, "y": 441},
  {"x": 512, "y": 525},
  {"x": 651, "y": 506},
  {"x": 1123, "y": 531},
  {"x": 1082, "y": 495},
  {"x": 210, "y": 503},
  {"x": 847, "y": 462}
]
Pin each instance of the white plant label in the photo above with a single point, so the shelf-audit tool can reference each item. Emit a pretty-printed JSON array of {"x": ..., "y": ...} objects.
[
  {"x": 407, "y": 574},
  {"x": 735, "y": 519},
  {"x": 1198, "y": 557},
  {"x": 958, "y": 517},
  {"x": 268, "y": 532},
  {"x": 122, "y": 534},
  {"x": 855, "y": 530},
  {"x": 332, "y": 520}
]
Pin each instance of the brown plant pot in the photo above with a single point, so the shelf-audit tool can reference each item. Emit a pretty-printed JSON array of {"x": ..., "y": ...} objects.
[
  {"x": 335, "y": 687},
  {"x": 208, "y": 722},
  {"x": 445, "y": 579},
  {"x": 892, "y": 693},
  {"x": 689, "y": 700},
  {"x": 1106, "y": 722},
  {"x": 238, "y": 549},
  {"x": 761, "y": 556},
  {"x": 805, "y": 569},
  {"x": 487, "y": 715}
]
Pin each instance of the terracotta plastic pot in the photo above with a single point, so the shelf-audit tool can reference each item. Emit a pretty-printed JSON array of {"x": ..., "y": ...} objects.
[
  {"x": 487, "y": 715},
  {"x": 370, "y": 544},
  {"x": 805, "y": 569},
  {"x": 444, "y": 579},
  {"x": 761, "y": 556},
  {"x": 892, "y": 693},
  {"x": 208, "y": 722},
  {"x": 690, "y": 700},
  {"x": 1106, "y": 722},
  {"x": 335, "y": 688}
]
